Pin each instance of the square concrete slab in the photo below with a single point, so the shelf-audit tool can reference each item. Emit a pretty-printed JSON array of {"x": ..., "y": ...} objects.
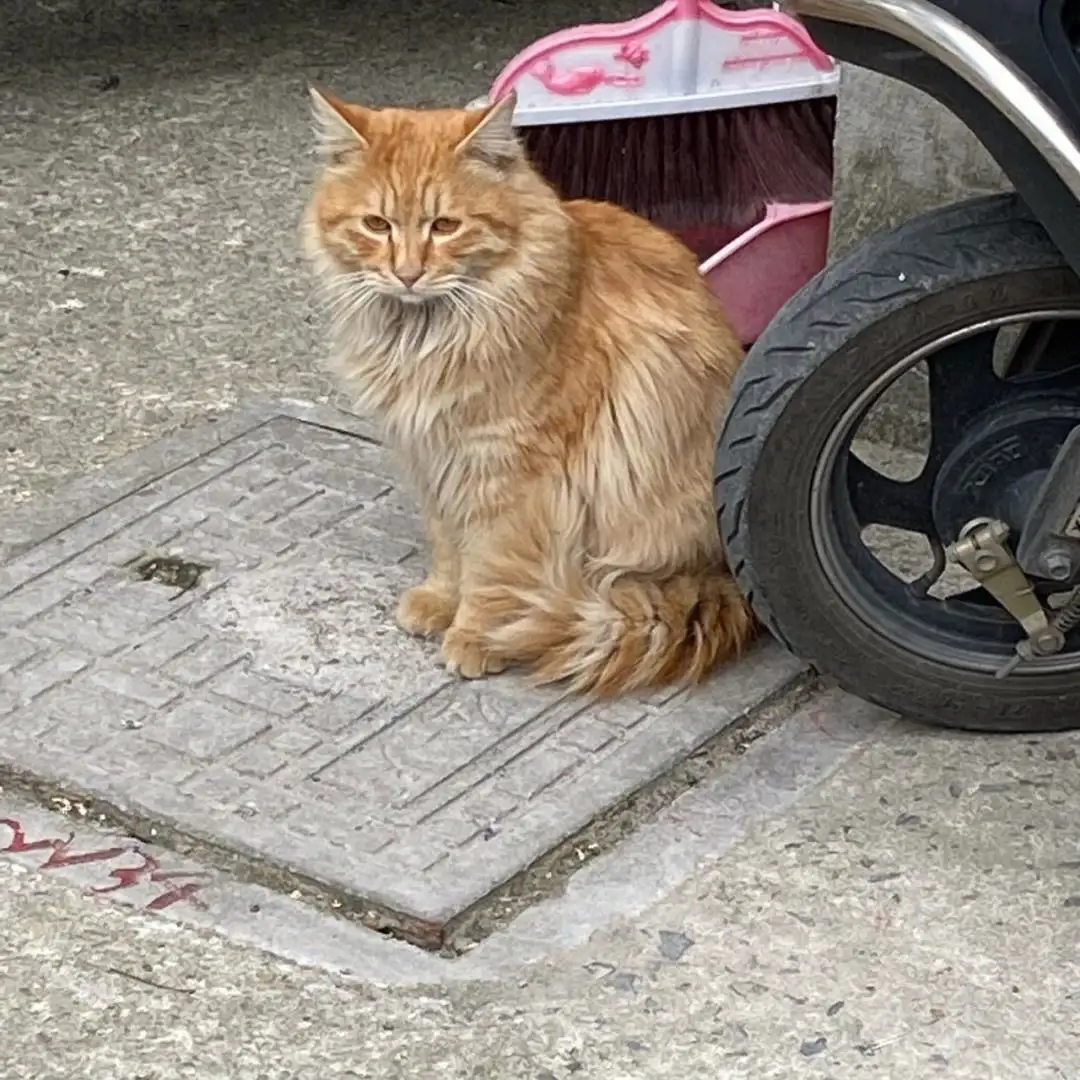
[{"x": 203, "y": 636}]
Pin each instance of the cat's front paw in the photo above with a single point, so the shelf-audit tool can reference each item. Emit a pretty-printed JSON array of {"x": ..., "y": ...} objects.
[
  {"x": 466, "y": 654},
  {"x": 424, "y": 610}
]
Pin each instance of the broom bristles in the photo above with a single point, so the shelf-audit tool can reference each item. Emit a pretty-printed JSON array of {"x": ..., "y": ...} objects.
[{"x": 705, "y": 176}]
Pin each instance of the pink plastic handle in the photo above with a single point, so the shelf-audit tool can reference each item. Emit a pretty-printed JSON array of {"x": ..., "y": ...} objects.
[{"x": 759, "y": 271}]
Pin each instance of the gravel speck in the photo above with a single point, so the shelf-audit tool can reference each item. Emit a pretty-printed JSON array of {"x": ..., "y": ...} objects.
[{"x": 673, "y": 946}]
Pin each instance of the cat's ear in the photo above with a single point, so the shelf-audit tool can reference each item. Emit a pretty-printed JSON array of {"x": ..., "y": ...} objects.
[
  {"x": 491, "y": 137},
  {"x": 337, "y": 126}
]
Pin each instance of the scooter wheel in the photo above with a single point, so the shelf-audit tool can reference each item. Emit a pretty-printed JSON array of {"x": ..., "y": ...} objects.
[{"x": 979, "y": 300}]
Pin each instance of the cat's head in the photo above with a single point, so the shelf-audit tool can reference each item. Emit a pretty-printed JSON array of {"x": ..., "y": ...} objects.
[{"x": 420, "y": 204}]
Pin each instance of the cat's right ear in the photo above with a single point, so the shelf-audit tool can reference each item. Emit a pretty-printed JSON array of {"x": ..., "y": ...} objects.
[{"x": 337, "y": 133}]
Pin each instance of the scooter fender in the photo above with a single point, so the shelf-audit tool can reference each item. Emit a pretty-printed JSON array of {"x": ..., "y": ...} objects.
[{"x": 1008, "y": 69}]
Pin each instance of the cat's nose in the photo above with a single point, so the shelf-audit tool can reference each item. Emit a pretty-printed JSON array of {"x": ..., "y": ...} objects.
[{"x": 409, "y": 275}]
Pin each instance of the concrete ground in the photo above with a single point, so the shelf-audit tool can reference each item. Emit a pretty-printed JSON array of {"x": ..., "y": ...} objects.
[
  {"x": 915, "y": 915},
  {"x": 154, "y": 162}
]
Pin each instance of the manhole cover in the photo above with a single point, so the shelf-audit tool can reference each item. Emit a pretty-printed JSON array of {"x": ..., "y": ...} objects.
[{"x": 202, "y": 637}]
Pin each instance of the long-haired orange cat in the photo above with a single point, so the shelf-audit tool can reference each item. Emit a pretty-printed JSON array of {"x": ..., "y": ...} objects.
[{"x": 551, "y": 375}]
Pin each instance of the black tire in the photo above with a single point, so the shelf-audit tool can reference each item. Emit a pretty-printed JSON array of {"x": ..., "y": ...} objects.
[{"x": 937, "y": 274}]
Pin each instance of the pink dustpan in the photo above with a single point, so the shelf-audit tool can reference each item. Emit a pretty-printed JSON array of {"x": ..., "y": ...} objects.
[{"x": 757, "y": 273}]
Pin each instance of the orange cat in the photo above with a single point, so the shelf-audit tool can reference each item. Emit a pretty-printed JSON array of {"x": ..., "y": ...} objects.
[{"x": 551, "y": 374}]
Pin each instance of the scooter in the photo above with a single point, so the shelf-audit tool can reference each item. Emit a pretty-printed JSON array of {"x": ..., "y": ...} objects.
[{"x": 979, "y": 303}]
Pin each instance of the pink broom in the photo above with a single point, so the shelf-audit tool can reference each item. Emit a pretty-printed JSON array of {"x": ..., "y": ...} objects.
[{"x": 715, "y": 124}]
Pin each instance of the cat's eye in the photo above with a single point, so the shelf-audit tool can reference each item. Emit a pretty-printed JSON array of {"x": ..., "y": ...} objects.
[
  {"x": 445, "y": 226},
  {"x": 375, "y": 224}
]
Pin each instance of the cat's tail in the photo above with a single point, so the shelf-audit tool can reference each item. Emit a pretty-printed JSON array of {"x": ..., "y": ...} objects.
[{"x": 626, "y": 632}]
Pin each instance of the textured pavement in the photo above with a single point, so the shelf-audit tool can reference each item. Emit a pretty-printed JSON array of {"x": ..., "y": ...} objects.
[
  {"x": 913, "y": 916},
  {"x": 755, "y": 772},
  {"x": 918, "y": 915},
  {"x": 270, "y": 706}
]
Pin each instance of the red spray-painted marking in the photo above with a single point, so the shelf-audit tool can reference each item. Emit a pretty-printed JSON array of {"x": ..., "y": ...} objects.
[
  {"x": 18, "y": 840},
  {"x": 174, "y": 896},
  {"x": 59, "y": 854},
  {"x": 125, "y": 876}
]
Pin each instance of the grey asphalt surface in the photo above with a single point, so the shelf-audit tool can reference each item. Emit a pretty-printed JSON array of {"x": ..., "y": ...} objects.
[{"x": 915, "y": 917}]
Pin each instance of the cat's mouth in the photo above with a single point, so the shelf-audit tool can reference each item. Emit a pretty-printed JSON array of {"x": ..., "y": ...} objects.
[
  {"x": 411, "y": 297},
  {"x": 406, "y": 294}
]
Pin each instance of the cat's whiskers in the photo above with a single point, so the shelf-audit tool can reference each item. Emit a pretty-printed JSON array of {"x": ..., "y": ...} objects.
[
  {"x": 460, "y": 293},
  {"x": 332, "y": 281},
  {"x": 348, "y": 313},
  {"x": 462, "y": 309},
  {"x": 485, "y": 301},
  {"x": 348, "y": 297},
  {"x": 499, "y": 310}
]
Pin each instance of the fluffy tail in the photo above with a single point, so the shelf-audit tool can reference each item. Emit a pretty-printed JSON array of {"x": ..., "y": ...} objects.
[{"x": 627, "y": 633}]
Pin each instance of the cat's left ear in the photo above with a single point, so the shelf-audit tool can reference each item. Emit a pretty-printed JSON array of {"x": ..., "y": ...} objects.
[
  {"x": 491, "y": 138},
  {"x": 337, "y": 126}
]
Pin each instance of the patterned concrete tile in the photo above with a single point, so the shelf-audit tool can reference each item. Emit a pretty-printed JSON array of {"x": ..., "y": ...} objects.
[{"x": 272, "y": 706}]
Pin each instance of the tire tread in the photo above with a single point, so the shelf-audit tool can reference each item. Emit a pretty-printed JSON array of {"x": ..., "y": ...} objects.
[{"x": 955, "y": 245}]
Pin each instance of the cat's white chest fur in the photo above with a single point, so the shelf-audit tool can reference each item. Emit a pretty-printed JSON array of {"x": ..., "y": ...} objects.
[{"x": 451, "y": 433}]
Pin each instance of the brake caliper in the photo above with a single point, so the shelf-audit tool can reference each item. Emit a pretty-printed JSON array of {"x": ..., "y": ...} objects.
[{"x": 981, "y": 550}]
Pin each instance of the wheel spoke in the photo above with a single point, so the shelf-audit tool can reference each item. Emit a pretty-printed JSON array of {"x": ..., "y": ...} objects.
[
  {"x": 962, "y": 385},
  {"x": 877, "y": 499},
  {"x": 1043, "y": 348}
]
